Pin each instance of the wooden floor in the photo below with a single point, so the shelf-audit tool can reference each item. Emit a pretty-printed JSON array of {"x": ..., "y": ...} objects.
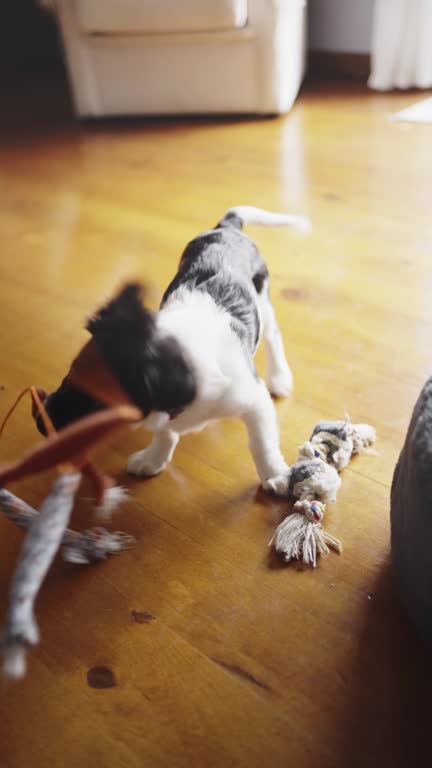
[{"x": 234, "y": 660}]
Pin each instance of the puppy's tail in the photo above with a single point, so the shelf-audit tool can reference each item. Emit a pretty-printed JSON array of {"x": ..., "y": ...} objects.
[{"x": 246, "y": 214}]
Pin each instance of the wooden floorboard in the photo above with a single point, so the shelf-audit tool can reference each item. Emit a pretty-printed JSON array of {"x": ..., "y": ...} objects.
[{"x": 242, "y": 661}]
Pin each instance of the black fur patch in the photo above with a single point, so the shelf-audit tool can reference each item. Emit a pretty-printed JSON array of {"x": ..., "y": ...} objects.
[
  {"x": 231, "y": 219},
  {"x": 67, "y": 404},
  {"x": 226, "y": 265},
  {"x": 259, "y": 279}
]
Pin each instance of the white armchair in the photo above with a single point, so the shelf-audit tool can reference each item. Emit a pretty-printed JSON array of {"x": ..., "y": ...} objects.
[{"x": 183, "y": 56}]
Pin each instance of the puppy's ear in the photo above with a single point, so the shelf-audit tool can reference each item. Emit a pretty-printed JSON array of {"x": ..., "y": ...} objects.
[
  {"x": 124, "y": 333},
  {"x": 123, "y": 318}
]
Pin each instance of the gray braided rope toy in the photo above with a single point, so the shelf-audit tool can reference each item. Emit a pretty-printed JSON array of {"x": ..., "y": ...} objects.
[
  {"x": 83, "y": 547},
  {"x": 46, "y": 532}
]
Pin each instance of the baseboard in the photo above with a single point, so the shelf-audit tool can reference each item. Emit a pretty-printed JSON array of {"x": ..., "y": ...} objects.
[{"x": 334, "y": 65}]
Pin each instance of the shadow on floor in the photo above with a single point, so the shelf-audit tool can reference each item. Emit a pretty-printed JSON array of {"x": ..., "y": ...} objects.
[{"x": 391, "y": 687}]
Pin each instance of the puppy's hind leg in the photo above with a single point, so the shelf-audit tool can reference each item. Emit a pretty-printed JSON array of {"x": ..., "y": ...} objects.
[
  {"x": 278, "y": 374},
  {"x": 153, "y": 459}
]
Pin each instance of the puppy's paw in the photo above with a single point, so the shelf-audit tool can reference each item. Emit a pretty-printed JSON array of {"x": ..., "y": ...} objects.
[
  {"x": 145, "y": 464},
  {"x": 281, "y": 384},
  {"x": 278, "y": 485},
  {"x": 112, "y": 499}
]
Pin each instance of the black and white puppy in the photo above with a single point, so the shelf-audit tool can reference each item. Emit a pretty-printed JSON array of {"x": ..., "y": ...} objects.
[{"x": 192, "y": 362}]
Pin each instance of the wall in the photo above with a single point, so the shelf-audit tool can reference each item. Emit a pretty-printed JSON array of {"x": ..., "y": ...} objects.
[
  {"x": 340, "y": 25},
  {"x": 29, "y": 41}
]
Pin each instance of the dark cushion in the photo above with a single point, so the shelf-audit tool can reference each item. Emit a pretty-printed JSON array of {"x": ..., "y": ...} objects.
[{"x": 411, "y": 516}]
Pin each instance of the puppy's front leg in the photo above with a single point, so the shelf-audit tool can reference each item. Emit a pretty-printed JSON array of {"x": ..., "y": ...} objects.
[
  {"x": 153, "y": 459},
  {"x": 260, "y": 419}
]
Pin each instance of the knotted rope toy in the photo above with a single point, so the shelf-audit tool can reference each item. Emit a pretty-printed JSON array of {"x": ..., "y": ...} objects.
[
  {"x": 336, "y": 442},
  {"x": 301, "y": 536},
  {"x": 314, "y": 481},
  {"x": 68, "y": 451}
]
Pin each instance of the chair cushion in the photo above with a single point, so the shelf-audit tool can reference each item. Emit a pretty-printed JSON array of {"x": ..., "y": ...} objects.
[{"x": 159, "y": 16}]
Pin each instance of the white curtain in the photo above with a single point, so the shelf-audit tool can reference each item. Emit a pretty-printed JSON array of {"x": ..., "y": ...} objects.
[{"x": 401, "y": 44}]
